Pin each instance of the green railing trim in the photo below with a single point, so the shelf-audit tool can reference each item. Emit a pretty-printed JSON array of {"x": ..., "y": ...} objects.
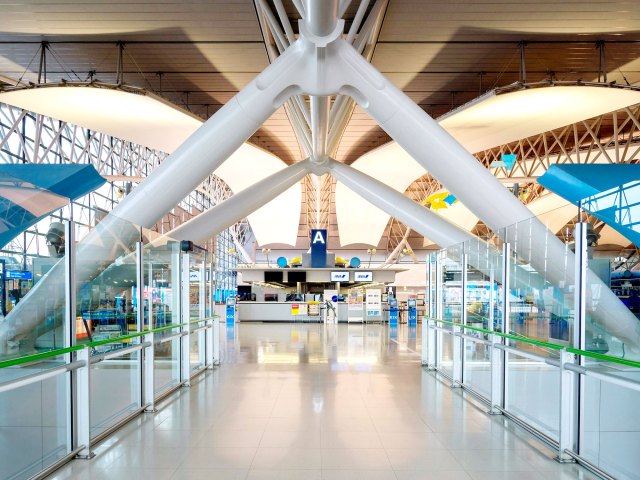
[
  {"x": 528, "y": 340},
  {"x": 604, "y": 358},
  {"x": 39, "y": 356},
  {"x": 576, "y": 351},
  {"x": 169, "y": 327},
  {"x": 121, "y": 339}
]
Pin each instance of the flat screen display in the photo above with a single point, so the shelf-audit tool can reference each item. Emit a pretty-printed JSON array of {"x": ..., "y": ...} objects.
[
  {"x": 363, "y": 277},
  {"x": 341, "y": 276},
  {"x": 274, "y": 277},
  {"x": 295, "y": 277}
]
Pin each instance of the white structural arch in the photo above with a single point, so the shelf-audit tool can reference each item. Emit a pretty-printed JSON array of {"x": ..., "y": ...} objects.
[{"x": 321, "y": 63}]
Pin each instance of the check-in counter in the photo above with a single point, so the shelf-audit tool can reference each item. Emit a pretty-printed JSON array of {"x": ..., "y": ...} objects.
[{"x": 283, "y": 312}]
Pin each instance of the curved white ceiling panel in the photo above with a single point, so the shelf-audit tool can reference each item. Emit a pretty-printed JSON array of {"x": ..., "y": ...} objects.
[
  {"x": 148, "y": 120},
  {"x": 358, "y": 220},
  {"x": 144, "y": 119},
  {"x": 278, "y": 220},
  {"x": 494, "y": 120}
]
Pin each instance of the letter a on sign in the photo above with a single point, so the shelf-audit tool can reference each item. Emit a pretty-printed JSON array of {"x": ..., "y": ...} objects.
[{"x": 318, "y": 248}]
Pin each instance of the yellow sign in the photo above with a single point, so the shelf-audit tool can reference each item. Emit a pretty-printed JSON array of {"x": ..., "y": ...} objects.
[{"x": 437, "y": 200}]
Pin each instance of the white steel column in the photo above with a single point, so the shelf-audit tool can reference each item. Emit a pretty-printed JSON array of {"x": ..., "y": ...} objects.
[
  {"x": 397, "y": 205},
  {"x": 243, "y": 203}
]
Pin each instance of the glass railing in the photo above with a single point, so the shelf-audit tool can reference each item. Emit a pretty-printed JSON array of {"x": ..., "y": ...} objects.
[
  {"x": 34, "y": 418},
  {"x": 516, "y": 313},
  {"x": 132, "y": 339}
]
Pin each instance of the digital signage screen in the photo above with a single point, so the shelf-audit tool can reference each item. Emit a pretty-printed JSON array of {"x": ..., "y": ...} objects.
[
  {"x": 363, "y": 277},
  {"x": 341, "y": 276}
]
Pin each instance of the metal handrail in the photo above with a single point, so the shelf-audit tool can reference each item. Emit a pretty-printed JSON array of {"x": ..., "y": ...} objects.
[
  {"x": 39, "y": 376},
  {"x": 575, "y": 351},
  {"x": 55, "y": 353}
]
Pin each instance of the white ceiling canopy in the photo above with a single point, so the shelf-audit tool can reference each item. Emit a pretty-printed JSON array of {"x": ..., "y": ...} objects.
[
  {"x": 358, "y": 220},
  {"x": 489, "y": 121},
  {"x": 278, "y": 220},
  {"x": 129, "y": 114},
  {"x": 141, "y": 117},
  {"x": 492, "y": 120}
]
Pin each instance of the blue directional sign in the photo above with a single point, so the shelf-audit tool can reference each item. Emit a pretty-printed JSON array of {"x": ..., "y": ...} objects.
[
  {"x": 18, "y": 275},
  {"x": 318, "y": 248}
]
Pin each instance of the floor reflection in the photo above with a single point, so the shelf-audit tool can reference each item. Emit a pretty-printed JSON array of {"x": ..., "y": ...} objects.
[{"x": 350, "y": 345}]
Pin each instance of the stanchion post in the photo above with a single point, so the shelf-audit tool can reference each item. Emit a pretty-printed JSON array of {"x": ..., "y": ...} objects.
[
  {"x": 216, "y": 340},
  {"x": 209, "y": 358},
  {"x": 567, "y": 436},
  {"x": 185, "y": 342},
  {"x": 431, "y": 347},
  {"x": 83, "y": 405},
  {"x": 149, "y": 384}
]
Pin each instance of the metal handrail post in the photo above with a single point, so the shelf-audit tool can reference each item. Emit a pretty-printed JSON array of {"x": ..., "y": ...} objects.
[
  {"x": 216, "y": 340},
  {"x": 185, "y": 341},
  {"x": 149, "y": 380},
  {"x": 83, "y": 405},
  {"x": 567, "y": 435}
]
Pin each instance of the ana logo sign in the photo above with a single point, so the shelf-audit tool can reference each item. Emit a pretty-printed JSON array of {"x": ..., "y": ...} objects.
[
  {"x": 363, "y": 277},
  {"x": 318, "y": 237},
  {"x": 339, "y": 276}
]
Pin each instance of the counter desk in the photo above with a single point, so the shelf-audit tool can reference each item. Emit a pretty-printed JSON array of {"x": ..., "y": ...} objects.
[{"x": 283, "y": 312}]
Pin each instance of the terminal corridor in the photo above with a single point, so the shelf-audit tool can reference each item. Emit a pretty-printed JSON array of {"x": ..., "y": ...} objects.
[{"x": 320, "y": 401}]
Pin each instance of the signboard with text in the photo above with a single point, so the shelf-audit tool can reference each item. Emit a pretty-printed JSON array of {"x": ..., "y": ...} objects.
[
  {"x": 318, "y": 248},
  {"x": 341, "y": 276},
  {"x": 18, "y": 275},
  {"x": 373, "y": 302},
  {"x": 363, "y": 277}
]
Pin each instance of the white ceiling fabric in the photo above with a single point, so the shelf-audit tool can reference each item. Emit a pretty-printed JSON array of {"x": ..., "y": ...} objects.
[
  {"x": 490, "y": 121},
  {"x": 143, "y": 119},
  {"x": 358, "y": 220},
  {"x": 500, "y": 119},
  {"x": 150, "y": 121},
  {"x": 278, "y": 220}
]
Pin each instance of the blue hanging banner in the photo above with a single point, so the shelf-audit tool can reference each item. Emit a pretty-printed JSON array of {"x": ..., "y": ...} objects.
[{"x": 318, "y": 248}]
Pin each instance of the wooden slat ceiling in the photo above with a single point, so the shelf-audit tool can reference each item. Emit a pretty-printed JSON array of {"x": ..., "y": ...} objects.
[{"x": 200, "y": 53}]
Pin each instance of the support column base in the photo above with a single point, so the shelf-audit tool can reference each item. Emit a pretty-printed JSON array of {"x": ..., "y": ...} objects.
[
  {"x": 456, "y": 385},
  {"x": 494, "y": 411},
  {"x": 150, "y": 410},
  {"x": 564, "y": 459},
  {"x": 85, "y": 456}
]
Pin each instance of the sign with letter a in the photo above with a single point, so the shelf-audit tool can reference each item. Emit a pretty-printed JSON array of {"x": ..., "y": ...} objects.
[{"x": 318, "y": 248}]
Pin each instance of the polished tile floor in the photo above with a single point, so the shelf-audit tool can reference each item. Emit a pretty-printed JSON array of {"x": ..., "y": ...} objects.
[{"x": 309, "y": 401}]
